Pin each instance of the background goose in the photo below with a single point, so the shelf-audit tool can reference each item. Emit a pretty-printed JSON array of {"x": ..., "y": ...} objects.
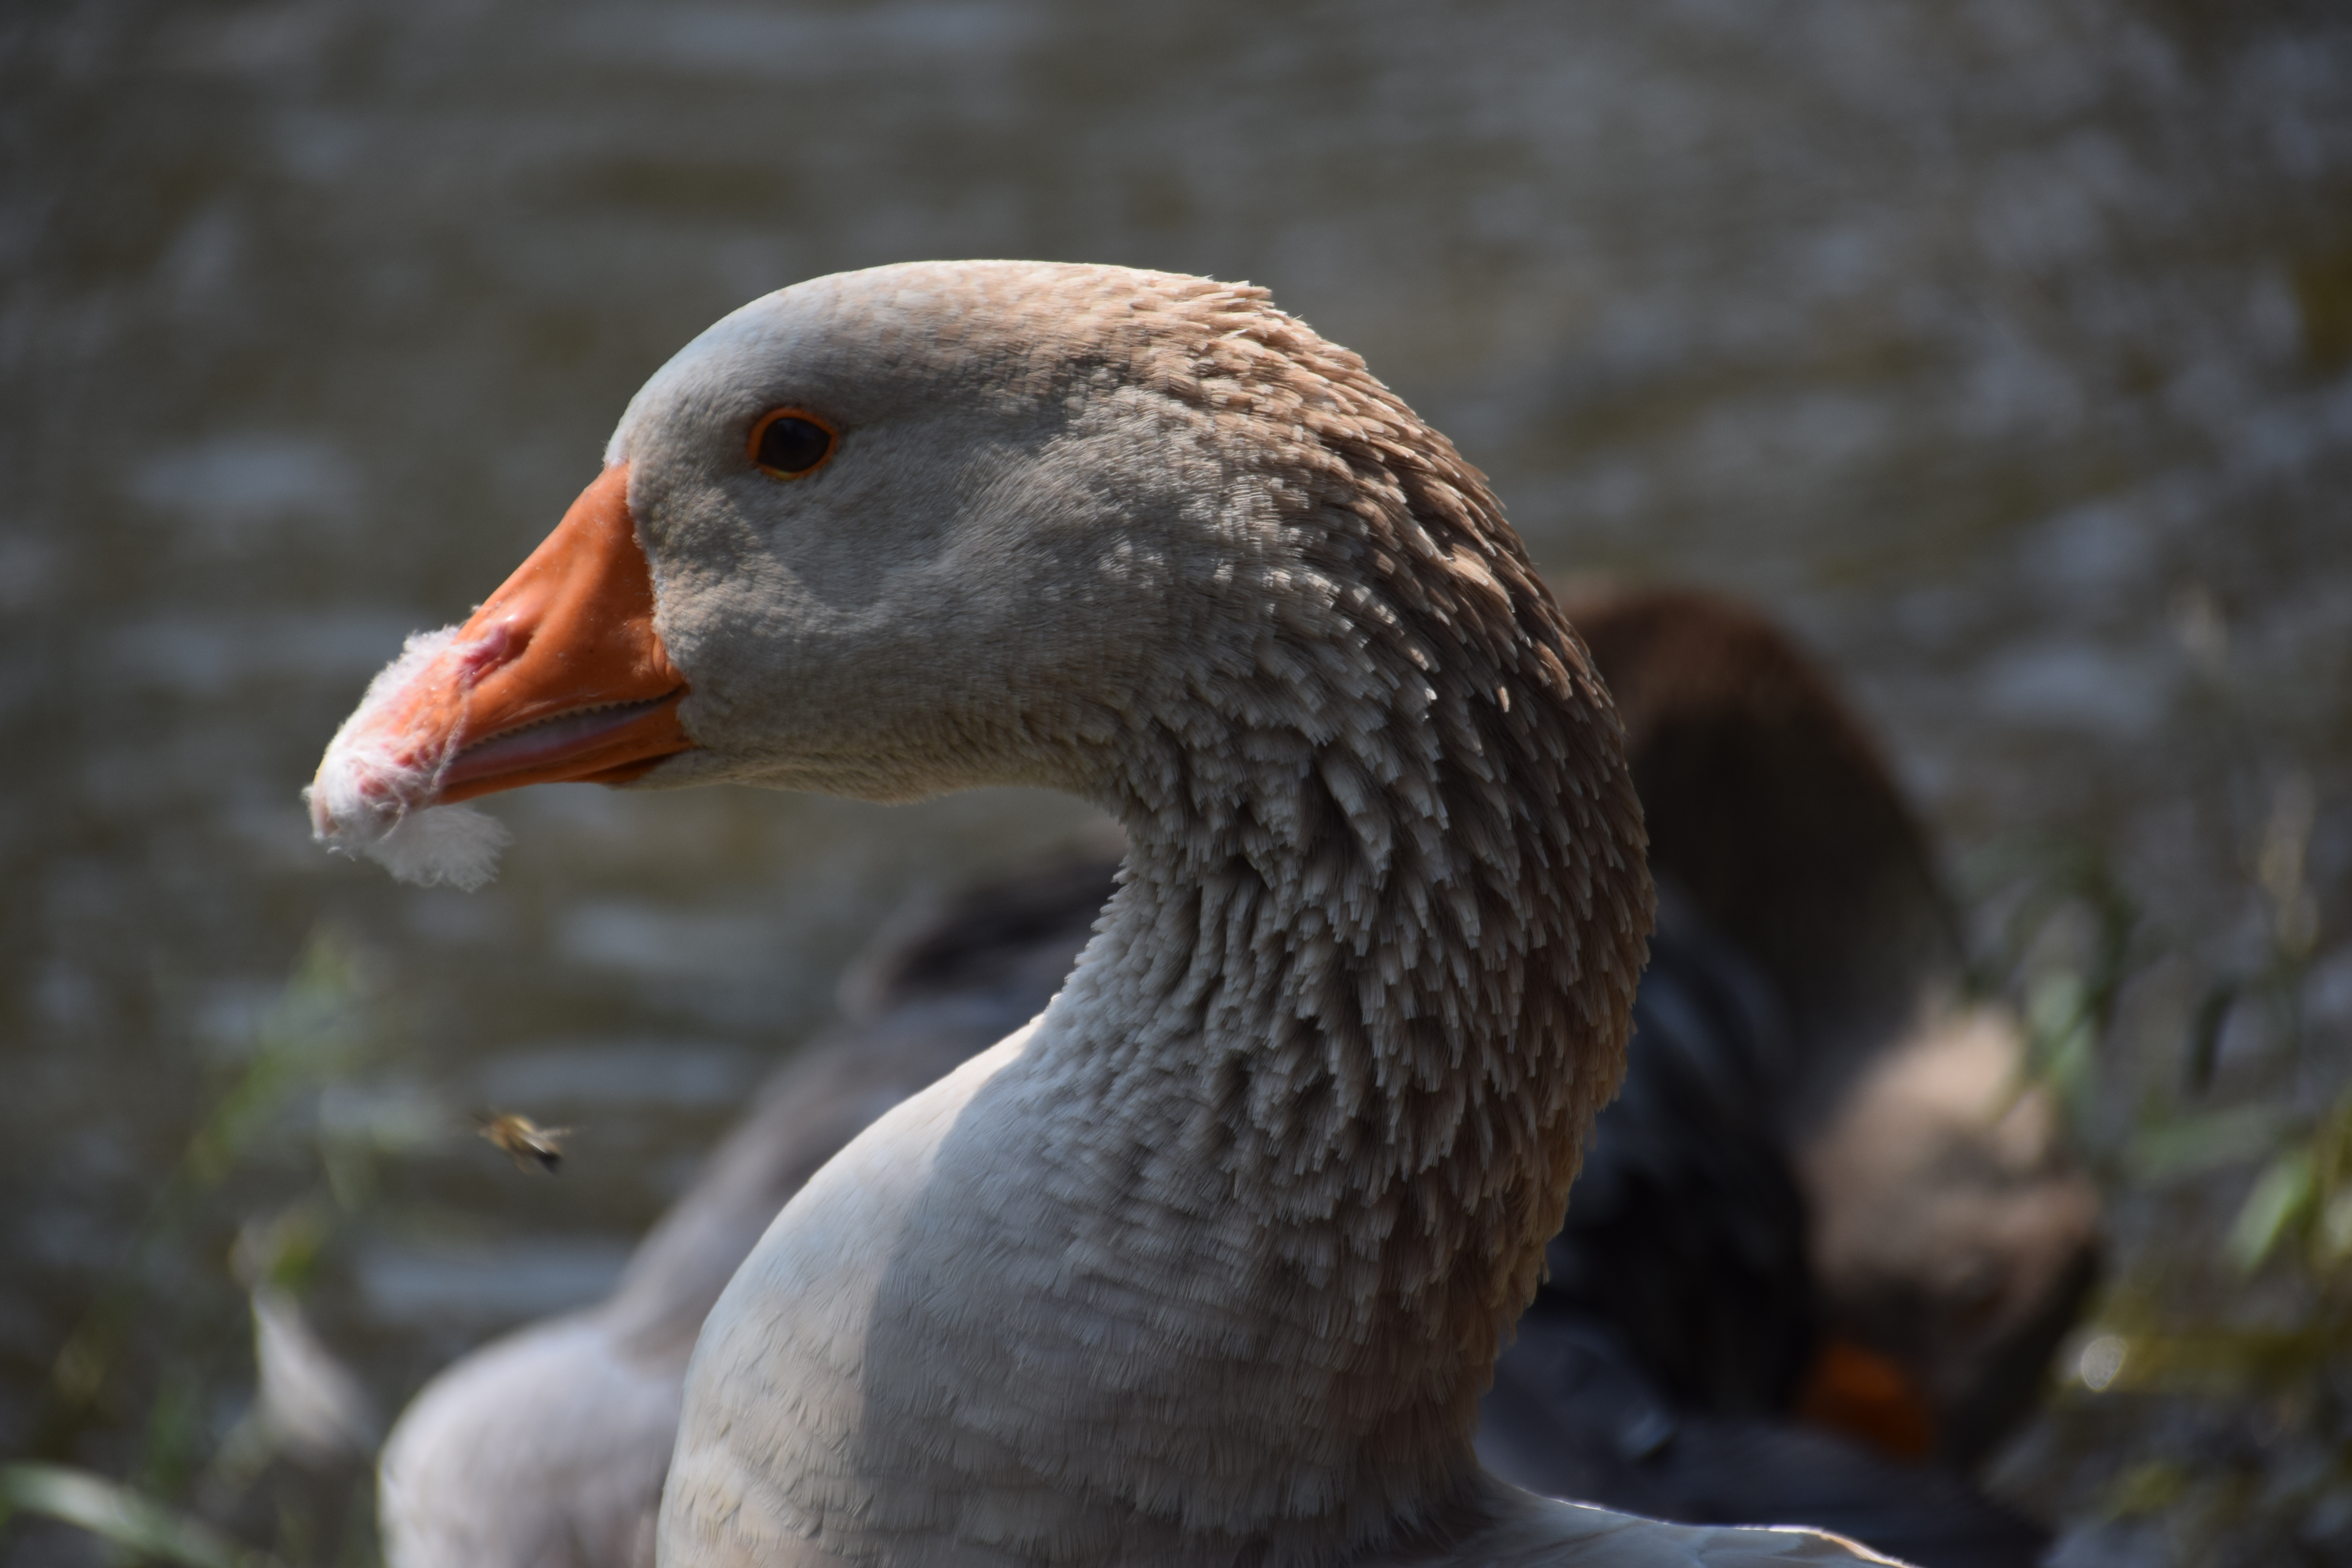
[
  {"x": 547, "y": 1447},
  {"x": 1953, "y": 1239},
  {"x": 1829, "y": 1206},
  {"x": 1210, "y": 1262},
  {"x": 1630, "y": 1383}
]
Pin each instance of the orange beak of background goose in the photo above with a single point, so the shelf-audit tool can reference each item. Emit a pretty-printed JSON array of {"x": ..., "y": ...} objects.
[{"x": 559, "y": 676}]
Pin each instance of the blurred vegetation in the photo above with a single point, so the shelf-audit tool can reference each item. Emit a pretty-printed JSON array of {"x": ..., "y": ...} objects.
[
  {"x": 193, "y": 1372},
  {"x": 2203, "y": 1413}
]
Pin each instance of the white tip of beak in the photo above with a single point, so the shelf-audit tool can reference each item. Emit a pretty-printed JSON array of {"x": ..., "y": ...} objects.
[{"x": 369, "y": 797}]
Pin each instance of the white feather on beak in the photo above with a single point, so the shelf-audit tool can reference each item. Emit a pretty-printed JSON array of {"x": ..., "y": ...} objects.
[{"x": 369, "y": 799}]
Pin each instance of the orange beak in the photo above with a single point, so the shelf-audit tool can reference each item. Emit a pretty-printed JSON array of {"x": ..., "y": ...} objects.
[{"x": 559, "y": 677}]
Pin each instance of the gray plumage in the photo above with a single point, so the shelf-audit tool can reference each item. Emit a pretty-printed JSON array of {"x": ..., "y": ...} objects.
[{"x": 1210, "y": 1263}]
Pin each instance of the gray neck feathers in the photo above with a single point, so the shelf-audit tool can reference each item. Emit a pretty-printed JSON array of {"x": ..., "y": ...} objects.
[
  {"x": 1214, "y": 1268},
  {"x": 1334, "y": 1053}
]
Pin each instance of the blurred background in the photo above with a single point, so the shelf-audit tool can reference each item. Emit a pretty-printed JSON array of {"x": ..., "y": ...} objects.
[{"x": 2000, "y": 348}]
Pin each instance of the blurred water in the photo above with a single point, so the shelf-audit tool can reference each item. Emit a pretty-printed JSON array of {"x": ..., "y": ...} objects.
[{"x": 1999, "y": 345}]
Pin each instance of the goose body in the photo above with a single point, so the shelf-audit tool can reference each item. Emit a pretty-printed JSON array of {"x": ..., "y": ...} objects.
[
  {"x": 1951, "y": 1238},
  {"x": 1211, "y": 1262},
  {"x": 1705, "y": 1257}
]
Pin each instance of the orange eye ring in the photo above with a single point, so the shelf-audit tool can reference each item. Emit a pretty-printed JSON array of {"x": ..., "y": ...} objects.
[{"x": 791, "y": 443}]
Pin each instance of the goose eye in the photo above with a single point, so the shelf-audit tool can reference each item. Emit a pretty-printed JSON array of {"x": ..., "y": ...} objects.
[{"x": 791, "y": 442}]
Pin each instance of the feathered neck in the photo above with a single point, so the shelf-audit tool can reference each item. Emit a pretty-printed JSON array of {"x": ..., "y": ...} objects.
[
  {"x": 1387, "y": 876},
  {"x": 1332, "y": 1058},
  {"x": 1213, "y": 1266}
]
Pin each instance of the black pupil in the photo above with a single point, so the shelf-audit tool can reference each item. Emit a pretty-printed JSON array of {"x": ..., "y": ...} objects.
[{"x": 790, "y": 445}]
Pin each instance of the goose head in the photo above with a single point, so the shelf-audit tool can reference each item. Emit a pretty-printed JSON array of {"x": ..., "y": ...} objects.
[{"x": 892, "y": 533}]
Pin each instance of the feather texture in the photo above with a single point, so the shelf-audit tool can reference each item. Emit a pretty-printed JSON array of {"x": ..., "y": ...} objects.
[{"x": 370, "y": 797}]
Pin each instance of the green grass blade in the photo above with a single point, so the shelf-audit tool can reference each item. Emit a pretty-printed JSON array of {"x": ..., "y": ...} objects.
[{"x": 121, "y": 1515}]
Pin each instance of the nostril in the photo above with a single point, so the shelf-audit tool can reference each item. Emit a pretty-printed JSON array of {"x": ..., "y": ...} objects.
[{"x": 498, "y": 645}]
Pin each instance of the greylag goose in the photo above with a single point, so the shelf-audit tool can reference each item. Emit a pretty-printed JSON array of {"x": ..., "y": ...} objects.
[
  {"x": 1816, "y": 1144},
  {"x": 1211, "y": 1261},
  {"x": 1952, "y": 1239}
]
